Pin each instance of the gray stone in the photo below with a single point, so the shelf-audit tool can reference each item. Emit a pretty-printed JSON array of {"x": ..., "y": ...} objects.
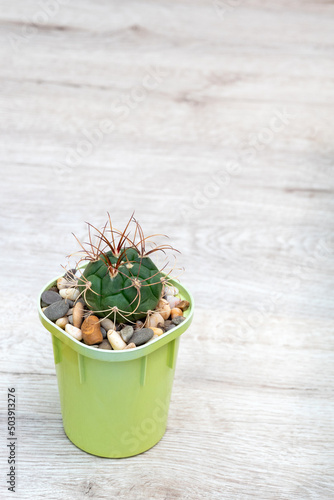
[
  {"x": 104, "y": 333},
  {"x": 70, "y": 319},
  {"x": 126, "y": 333},
  {"x": 178, "y": 320},
  {"x": 105, "y": 345},
  {"x": 140, "y": 337},
  {"x": 69, "y": 275},
  {"x": 49, "y": 297},
  {"x": 56, "y": 310},
  {"x": 107, "y": 324},
  {"x": 169, "y": 327}
]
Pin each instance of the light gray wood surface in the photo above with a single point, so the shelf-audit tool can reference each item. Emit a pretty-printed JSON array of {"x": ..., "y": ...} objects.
[{"x": 228, "y": 149}]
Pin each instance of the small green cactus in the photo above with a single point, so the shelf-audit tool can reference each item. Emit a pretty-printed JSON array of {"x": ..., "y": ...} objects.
[{"x": 120, "y": 281}]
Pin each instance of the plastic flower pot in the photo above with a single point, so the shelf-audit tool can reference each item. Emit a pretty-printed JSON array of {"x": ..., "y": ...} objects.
[{"x": 115, "y": 403}]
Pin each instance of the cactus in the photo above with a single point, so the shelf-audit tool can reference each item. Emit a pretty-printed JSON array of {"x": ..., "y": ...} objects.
[{"x": 120, "y": 281}]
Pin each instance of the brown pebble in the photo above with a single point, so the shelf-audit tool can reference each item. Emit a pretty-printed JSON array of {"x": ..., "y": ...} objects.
[
  {"x": 139, "y": 324},
  {"x": 176, "y": 312},
  {"x": 91, "y": 331},
  {"x": 184, "y": 304}
]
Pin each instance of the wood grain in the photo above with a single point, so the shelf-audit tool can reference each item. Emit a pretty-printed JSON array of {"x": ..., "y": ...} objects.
[{"x": 222, "y": 122}]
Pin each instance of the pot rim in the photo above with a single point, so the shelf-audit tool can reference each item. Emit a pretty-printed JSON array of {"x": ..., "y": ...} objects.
[{"x": 121, "y": 355}]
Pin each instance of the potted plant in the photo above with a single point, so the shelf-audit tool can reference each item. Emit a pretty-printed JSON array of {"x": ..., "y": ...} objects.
[{"x": 115, "y": 322}]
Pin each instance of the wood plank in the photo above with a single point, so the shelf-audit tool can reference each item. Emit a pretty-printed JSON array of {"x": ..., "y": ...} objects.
[{"x": 230, "y": 153}]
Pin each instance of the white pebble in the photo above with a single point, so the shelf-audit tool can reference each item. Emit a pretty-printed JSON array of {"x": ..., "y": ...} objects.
[
  {"x": 69, "y": 293},
  {"x": 73, "y": 331},
  {"x": 153, "y": 320},
  {"x": 62, "y": 322},
  {"x": 173, "y": 301},
  {"x": 63, "y": 283},
  {"x": 170, "y": 290},
  {"x": 77, "y": 313},
  {"x": 115, "y": 340}
]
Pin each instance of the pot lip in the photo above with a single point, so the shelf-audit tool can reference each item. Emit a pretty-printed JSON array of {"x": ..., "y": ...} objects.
[{"x": 121, "y": 355}]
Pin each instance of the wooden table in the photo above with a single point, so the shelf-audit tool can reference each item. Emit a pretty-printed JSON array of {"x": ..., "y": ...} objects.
[{"x": 214, "y": 120}]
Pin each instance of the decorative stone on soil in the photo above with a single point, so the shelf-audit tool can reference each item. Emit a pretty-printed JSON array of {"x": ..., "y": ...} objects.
[
  {"x": 48, "y": 297},
  {"x": 56, "y": 310},
  {"x": 154, "y": 320},
  {"x": 126, "y": 333},
  {"x": 108, "y": 324},
  {"x": 169, "y": 325},
  {"x": 173, "y": 301},
  {"x": 63, "y": 283},
  {"x": 130, "y": 346},
  {"x": 140, "y": 337},
  {"x": 78, "y": 312},
  {"x": 73, "y": 331},
  {"x": 116, "y": 340},
  {"x": 157, "y": 331},
  {"x": 164, "y": 308},
  {"x": 178, "y": 319},
  {"x": 105, "y": 345},
  {"x": 70, "y": 274},
  {"x": 91, "y": 332},
  {"x": 170, "y": 290},
  {"x": 71, "y": 315},
  {"x": 176, "y": 312},
  {"x": 62, "y": 322},
  {"x": 184, "y": 305},
  {"x": 69, "y": 293}
]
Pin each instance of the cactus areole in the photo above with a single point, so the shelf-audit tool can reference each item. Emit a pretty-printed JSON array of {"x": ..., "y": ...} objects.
[{"x": 125, "y": 286}]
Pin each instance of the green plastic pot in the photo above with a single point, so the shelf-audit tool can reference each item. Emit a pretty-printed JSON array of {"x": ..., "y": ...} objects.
[{"x": 115, "y": 403}]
